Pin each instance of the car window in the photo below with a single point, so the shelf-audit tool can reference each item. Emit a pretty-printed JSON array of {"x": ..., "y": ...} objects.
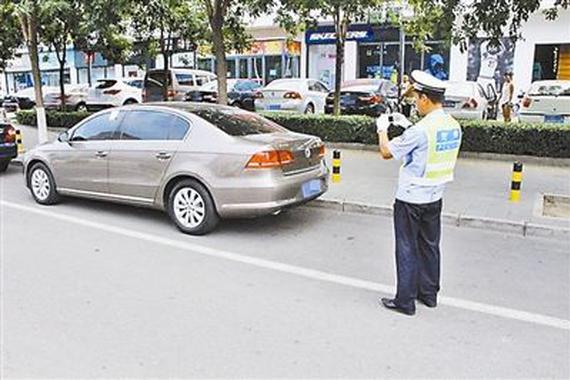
[
  {"x": 154, "y": 77},
  {"x": 135, "y": 83},
  {"x": 237, "y": 122},
  {"x": 202, "y": 80},
  {"x": 105, "y": 83},
  {"x": 152, "y": 125},
  {"x": 320, "y": 87},
  {"x": 550, "y": 89},
  {"x": 185, "y": 79},
  {"x": 99, "y": 128}
]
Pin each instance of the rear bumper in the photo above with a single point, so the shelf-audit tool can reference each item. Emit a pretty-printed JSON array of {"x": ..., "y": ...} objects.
[
  {"x": 375, "y": 110},
  {"x": 270, "y": 196},
  {"x": 294, "y": 105}
]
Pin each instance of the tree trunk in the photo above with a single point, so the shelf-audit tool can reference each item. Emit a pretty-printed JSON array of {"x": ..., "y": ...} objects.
[
  {"x": 341, "y": 25},
  {"x": 220, "y": 54},
  {"x": 36, "y": 75},
  {"x": 61, "y": 59}
]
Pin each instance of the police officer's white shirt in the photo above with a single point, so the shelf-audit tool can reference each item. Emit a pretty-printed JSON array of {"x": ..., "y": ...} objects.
[{"x": 412, "y": 148}]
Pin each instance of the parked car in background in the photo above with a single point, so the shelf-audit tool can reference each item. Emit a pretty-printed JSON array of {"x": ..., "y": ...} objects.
[
  {"x": 179, "y": 82},
  {"x": 8, "y": 146},
  {"x": 467, "y": 100},
  {"x": 75, "y": 97},
  {"x": 201, "y": 162},
  {"x": 371, "y": 97},
  {"x": 21, "y": 100},
  {"x": 240, "y": 93},
  {"x": 297, "y": 95},
  {"x": 112, "y": 93},
  {"x": 546, "y": 101}
]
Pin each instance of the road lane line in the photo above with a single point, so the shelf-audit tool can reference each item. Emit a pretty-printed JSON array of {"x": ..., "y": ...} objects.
[{"x": 479, "y": 307}]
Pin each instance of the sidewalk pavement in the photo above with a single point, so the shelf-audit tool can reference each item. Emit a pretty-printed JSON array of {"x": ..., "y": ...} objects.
[{"x": 478, "y": 197}]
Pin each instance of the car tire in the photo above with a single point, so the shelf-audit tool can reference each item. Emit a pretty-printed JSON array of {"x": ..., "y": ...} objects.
[
  {"x": 4, "y": 165},
  {"x": 129, "y": 101},
  {"x": 81, "y": 107},
  {"x": 191, "y": 208},
  {"x": 42, "y": 185},
  {"x": 237, "y": 104},
  {"x": 310, "y": 109}
]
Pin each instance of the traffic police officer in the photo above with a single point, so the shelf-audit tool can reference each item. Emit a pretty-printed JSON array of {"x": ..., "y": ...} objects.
[{"x": 429, "y": 151}]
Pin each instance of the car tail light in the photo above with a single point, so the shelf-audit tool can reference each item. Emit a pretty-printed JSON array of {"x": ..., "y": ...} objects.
[
  {"x": 471, "y": 103},
  {"x": 258, "y": 95},
  {"x": 270, "y": 159},
  {"x": 374, "y": 99},
  {"x": 322, "y": 151},
  {"x": 111, "y": 92},
  {"x": 170, "y": 94},
  {"x": 526, "y": 102},
  {"x": 292, "y": 95},
  {"x": 9, "y": 134}
]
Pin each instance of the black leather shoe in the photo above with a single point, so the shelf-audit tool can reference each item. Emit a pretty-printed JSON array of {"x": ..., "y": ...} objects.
[
  {"x": 390, "y": 304},
  {"x": 427, "y": 302}
]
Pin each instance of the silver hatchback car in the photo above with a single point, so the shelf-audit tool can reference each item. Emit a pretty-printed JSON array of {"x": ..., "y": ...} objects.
[{"x": 198, "y": 162}]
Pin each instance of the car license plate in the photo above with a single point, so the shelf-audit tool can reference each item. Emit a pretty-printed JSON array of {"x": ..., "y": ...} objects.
[
  {"x": 554, "y": 118},
  {"x": 311, "y": 188},
  {"x": 274, "y": 107},
  {"x": 449, "y": 104}
]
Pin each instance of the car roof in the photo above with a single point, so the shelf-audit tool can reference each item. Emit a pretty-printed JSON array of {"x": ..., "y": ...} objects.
[
  {"x": 188, "y": 106},
  {"x": 185, "y": 71}
]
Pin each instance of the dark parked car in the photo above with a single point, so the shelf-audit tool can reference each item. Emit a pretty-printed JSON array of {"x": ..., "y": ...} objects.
[
  {"x": 371, "y": 97},
  {"x": 240, "y": 93},
  {"x": 18, "y": 101},
  {"x": 8, "y": 147}
]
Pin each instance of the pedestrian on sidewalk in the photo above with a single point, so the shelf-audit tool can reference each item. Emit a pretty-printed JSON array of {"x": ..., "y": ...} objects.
[
  {"x": 507, "y": 93},
  {"x": 429, "y": 152}
]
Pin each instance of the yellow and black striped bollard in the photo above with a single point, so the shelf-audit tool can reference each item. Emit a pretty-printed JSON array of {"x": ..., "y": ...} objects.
[
  {"x": 19, "y": 143},
  {"x": 516, "y": 182},
  {"x": 336, "y": 166}
]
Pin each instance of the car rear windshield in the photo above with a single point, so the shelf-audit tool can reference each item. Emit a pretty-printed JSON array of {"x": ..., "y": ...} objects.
[
  {"x": 185, "y": 79},
  {"x": 238, "y": 123},
  {"x": 157, "y": 76},
  {"x": 550, "y": 89}
]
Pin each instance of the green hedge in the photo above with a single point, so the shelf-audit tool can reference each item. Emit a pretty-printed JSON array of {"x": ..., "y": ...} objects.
[
  {"x": 542, "y": 140},
  {"x": 55, "y": 119}
]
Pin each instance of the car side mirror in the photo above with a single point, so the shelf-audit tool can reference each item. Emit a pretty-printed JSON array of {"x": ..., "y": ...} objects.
[{"x": 63, "y": 137}]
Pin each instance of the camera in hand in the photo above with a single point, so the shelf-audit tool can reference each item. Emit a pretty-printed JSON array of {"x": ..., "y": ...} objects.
[{"x": 393, "y": 129}]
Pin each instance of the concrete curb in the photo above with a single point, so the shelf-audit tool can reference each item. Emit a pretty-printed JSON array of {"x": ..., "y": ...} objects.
[
  {"x": 452, "y": 219},
  {"x": 545, "y": 161},
  {"x": 499, "y": 225}
]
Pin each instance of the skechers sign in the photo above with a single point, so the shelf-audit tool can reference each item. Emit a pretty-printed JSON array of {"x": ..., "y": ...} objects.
[{"x": 318, "y": 37}]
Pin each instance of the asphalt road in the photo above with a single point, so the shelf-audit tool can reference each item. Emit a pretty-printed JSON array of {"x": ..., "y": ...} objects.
[{"x": 93, "y": 289}]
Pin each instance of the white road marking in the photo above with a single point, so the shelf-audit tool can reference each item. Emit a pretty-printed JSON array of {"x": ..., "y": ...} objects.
[{"x": 479, "y": 307}]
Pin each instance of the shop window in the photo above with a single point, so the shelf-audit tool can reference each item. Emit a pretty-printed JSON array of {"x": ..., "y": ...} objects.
[
  {"x": 243, "y": 72},
  {"x": 370, "y": 60},
  {"x": 413, "y": 59},
  {"x": 273, "y": 67},
  {"x": 436, "y": 60},
  {"x": 551, "y": 62},
  {"x": 205, "y": 64},
  {"x": 231, "y": 68}
]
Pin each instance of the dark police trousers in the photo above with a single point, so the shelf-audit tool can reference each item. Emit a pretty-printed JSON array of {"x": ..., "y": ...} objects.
[{"x": 418, "y": 230}]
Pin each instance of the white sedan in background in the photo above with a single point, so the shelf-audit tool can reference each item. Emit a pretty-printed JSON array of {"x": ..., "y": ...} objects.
[
  {"x": 298, "y": 95},
  {"x": 547, "y": 101},
  {"x": 467, "y": 100},
  {"x": 114, "y": 92}
]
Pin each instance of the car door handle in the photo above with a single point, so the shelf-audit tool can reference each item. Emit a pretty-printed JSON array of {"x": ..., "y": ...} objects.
[
  {"x": 163, "y": 155},
  {"x": 101, "y": 154}
]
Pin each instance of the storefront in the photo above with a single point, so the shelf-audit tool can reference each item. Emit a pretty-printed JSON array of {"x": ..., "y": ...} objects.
[
  {"x": 542, "y": 53},
  {"x": 263, "y": 62},
  {"x": 371, "y": 51}
]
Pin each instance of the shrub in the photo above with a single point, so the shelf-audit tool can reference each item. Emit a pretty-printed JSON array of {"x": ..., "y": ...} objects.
[
  {"x": 55, "y": 119},
  {"x": 542, "y": 140}
]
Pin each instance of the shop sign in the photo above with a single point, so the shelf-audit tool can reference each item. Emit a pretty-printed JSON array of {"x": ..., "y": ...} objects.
[{"x": 322, "y": 37}]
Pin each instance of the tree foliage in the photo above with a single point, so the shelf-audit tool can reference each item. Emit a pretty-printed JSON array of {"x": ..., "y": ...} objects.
[{"x": 10, "y": 32}]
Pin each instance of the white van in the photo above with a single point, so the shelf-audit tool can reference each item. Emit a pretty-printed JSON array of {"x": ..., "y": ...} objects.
[{"x": 179, "y": 82}]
